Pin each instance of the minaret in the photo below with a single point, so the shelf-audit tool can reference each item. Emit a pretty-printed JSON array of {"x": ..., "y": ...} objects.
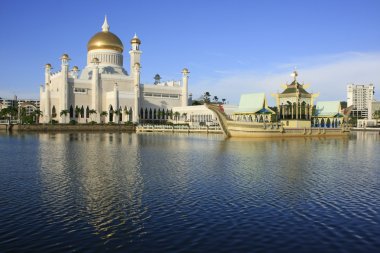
[
  {"x": 185, "y": 91},
  {"x": 47, "y": 109},
  {"x": 135, "y": 53},
  {"x": 63, "y": 89},
  {"x": 95, "y": 88},
  {"x": 136, "y": 76}
]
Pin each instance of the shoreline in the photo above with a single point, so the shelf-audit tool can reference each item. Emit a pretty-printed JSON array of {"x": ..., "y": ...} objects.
[{"x": 68, "y": 128}]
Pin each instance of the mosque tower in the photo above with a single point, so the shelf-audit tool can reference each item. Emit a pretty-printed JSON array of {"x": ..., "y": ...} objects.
[{"x": 135, "y": 53}]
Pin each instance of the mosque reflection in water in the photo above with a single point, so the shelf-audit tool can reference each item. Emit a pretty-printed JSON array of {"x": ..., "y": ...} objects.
[{"x": 91, "y": 176}]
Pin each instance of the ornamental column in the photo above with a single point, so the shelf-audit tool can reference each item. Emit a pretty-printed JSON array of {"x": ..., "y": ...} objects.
[
  {"x": 63, "y": 90},
  {"x": 95, "y": 89},
  {"x": 47, "y": 109},
  {"x": 116, "y": 102},
  {"x": 136, "y": 72},
  {"x": 185, "y": 91}
]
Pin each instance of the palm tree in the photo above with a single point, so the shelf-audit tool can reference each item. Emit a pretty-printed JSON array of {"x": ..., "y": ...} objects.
[
  {"x": 91, "y": 112},
  {"x": 64, "y": 113},
  {"x": 176, "y": 115},
  {"x": 117, "y": 113},
  {"x": 38, "y": 113},
  {"x": 215, "y": 98},
  {"x": 206, "y": 97},
  {"x": 223, "y": 100},
  {"x": 77, "y": 112},
  {"x": 103, "y": 114},
  {"x": 184, "y": 115}
]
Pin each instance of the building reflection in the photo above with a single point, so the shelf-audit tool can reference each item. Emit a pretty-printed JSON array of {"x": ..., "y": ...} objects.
[{"x": 96, "y": 175}]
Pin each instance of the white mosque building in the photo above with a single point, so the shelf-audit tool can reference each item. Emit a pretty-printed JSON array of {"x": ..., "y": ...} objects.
[{"x": 104, "y": 91}]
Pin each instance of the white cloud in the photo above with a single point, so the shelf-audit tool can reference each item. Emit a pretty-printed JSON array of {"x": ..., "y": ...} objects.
[{"x": 327, "y": 74}]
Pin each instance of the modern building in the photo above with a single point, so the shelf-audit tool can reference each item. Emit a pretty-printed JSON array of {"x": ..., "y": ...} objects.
[
  {"x": 30, "y": 105},
  {"x": 360, "y": 97},
  {"x": 104, "y": 91}
]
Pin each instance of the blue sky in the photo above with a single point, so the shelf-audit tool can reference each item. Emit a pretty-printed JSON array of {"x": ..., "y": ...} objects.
[{"x": 230, "y": 47}]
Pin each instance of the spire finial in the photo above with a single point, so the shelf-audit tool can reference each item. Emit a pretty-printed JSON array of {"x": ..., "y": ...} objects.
[
  {"x": 135, "y": 37},
  {"x": 295, "y": 74},
  {"x": 105, "y": 26}
]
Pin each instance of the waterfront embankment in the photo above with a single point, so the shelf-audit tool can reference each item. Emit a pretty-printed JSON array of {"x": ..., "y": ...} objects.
[{"x": 68, "y": 128}]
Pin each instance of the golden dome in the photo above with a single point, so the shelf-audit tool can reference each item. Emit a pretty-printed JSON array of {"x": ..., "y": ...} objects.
[
  {"x": 105, "y": 40},
  {"x": 48, "y": 65},
  {"x": 135, "y": 39},
  {"x": 65, "y": 57}
]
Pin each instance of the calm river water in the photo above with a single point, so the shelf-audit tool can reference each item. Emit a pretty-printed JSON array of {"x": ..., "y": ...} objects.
[{"x": 118, "y": 192}]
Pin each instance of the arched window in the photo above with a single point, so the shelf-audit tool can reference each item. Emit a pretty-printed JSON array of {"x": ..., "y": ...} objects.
[
  {"x": 111, "y": 114},
  {"x": 130, "y": 114},
  {"x": 150, "y": 113},
  {"x": 53, "y": 112},
  {"x": 71, "y": 112},
  {"x": 322, "y": 123},
  {"x": 141, "y": 113},
  {"x": 328, "y": 123},
  {"x": 146, "y": 113},
  {"x": 87, "y": 112},
  {"x": 120, "y": 114},
  {"x": 154, "y": 114},
  {"x": 82, "y": 112}
]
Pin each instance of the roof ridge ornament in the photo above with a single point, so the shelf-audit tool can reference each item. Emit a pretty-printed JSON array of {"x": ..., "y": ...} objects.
[{"x": 105, "y": 26}]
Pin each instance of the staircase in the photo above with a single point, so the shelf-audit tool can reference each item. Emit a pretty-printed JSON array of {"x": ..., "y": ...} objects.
[{"x": 222, "y": 118}]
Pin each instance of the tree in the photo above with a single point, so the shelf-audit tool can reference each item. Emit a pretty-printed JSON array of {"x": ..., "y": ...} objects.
[
  {"x": 91, "y": 112},
  {"x": 216, "y": 99},
  {"x": 77, "y": 112},
  {"x": 176, "y": 115},
  {"x": 64, "y": 113},
  {"x": 117, "y": 113},
  {"x": 223, "y": 100},
  {"x": 376, "y": 114},
  {"x": 37, "y": 113},
  {"x": 184, "y": 115},
  {"x": 103, "y": 114},
  {"x": 206, "y": 97}
]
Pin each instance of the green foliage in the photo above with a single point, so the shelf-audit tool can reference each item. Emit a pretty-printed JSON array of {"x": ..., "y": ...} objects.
[
  {"x": 92, "y": 122},
  {"x": 53, "y": 121},
  {"x": 129, "y": 123},
  {"x": 376, "y": 114},
  {"x": 73, "y": 122}
]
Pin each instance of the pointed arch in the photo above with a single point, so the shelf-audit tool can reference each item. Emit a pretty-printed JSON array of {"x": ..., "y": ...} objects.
[
  {"x": 146, "y": 113},
  {"x": 87, "y": 112},
  {"x": 110, "y": 113},
  {"x": 71, "y": 111},
  {"x": 53, "y": 112},
  {"x": 154, "y": 114},
  {"x": 82, "y": 112},
  {"x": 120, "y": 114},
  {"x": 150, "y": 113}
]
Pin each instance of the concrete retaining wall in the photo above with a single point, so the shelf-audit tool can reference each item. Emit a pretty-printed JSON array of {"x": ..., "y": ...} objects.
[{"x": 67, "y": 128}]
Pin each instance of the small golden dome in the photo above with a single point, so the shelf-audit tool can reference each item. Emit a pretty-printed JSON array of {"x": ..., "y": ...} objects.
[
  {"x": 105, "y": 40},
  {"x": 75, "y": 68},
  {"x": 65, "y": 57},
  {"x": 136, "y": 40},
  {"x": 185, "y": 71},
  {"x": 48, "y": 65}
]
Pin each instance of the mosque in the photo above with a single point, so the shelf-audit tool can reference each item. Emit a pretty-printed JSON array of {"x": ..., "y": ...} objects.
[{"x": 104, "y": 91}]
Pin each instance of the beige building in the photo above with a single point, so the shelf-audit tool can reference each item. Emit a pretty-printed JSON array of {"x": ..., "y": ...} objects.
[{"x": 104, "y": 91}]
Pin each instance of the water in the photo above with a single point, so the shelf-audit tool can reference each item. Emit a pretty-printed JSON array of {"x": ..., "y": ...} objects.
[{"x": 118, "y": 192}]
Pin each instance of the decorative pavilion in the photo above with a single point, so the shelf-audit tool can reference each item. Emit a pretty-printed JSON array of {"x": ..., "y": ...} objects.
[
  {"x": 295, "y": 104},
  {"x": 253, "y": 107}
]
